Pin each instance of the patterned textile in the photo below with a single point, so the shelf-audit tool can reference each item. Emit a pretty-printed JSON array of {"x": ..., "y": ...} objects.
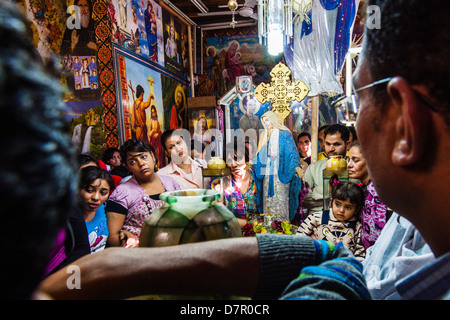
[
  {"x": 432, "y": 282},
  {"x": 339, "y": 278},
  {"x": 324, "y": 226},
  {"x": 243, "y": 206},
  {"x": 106, "y": 71},
  {"x": 129, "y": 198},
  {"x": 320, "y": 269},
  {"x": 374, "y": 216},
  {"x": 141, "y": 212}
]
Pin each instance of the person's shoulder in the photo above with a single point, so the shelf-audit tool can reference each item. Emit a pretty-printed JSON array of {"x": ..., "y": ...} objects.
[
  {"x": 168, "y": 182},
  {"x": 125, "y": 188},
  {"x": 316, "y": 216},
  {"x": 166, "y": 170},
  {"x": 318, "y": 164}
]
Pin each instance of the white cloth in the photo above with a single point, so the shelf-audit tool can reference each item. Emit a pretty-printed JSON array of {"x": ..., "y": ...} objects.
[
  {"x": 279, "y": 203},
  {"x": 399, "y": 251}
]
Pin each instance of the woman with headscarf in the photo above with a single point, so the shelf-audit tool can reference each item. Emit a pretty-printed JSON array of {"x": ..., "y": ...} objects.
[{"x": 276, "y": 163}]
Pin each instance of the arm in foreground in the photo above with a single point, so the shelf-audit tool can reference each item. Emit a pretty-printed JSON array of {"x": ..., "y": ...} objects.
[
  {"x": 339, "y": 278},
  {"x": 199, "y": 268},
  {"x": 272, "y": 262}
]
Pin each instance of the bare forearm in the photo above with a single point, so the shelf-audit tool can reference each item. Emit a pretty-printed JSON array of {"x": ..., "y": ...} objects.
[{"x": 224, "y": 266}]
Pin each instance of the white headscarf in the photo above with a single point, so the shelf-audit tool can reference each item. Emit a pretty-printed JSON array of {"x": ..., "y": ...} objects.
[{"x": 276, "y": 121}]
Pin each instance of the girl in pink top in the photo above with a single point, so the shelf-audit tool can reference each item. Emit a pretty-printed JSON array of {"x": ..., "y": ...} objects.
[{"x": 132, "y": 202}]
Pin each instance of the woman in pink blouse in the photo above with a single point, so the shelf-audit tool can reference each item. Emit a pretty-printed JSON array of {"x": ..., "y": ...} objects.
[{"x": 132, "y": 202}]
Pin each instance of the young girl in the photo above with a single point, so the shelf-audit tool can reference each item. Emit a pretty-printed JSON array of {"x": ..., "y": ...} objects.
[
  {"x": 132, "y": 202},
  {"x": 94, "y": 188},
  {"x": 341, "y": 222},
  {"x": 241, "y": 195}
]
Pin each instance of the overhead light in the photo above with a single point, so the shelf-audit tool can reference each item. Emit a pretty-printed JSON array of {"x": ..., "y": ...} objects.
[
  {"x": 275, "y": 24},
  {"x": 232, "y": 5},
  {"x": 200, "y": 6}
]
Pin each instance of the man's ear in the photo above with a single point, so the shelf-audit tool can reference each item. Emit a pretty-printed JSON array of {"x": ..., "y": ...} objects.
[{"x": 411, "y": 124}]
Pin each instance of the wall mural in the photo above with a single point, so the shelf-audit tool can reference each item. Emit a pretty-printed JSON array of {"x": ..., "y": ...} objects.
[
  {"x": 227, "y": 56},
  {"x": 150, "y": 100},
  {"x": 81, "y": 34}
]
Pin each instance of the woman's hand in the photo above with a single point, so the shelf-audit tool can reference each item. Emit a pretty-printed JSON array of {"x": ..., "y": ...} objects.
[{"x": 127, "y": 239}]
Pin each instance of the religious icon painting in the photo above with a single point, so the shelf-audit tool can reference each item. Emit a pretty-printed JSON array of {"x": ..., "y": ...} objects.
[
  {"x": 228, "y": 57},
  {"x": 85, "y": 72},
  {"x": 201, "y": 122},
  {"x": 140, "y": 103},
  {"x": 128, "y": 26},
  {"x": 152, "y": 13},
  {"x": 174, "y": 99},
  {"x": 244, "y": 84}
]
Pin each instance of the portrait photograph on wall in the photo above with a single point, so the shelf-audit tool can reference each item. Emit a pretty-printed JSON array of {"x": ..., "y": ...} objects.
[
  {"x": 140, "y": 103},
  {"x": 201, "y": 122},
  {"x": 245, "y": 113},
  {"x": 175, "y": 44}
]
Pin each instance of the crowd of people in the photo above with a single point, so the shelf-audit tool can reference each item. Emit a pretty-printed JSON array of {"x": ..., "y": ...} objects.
[
  {"x": 389, "y": 215},
  {"x": 115, "y": 209}
]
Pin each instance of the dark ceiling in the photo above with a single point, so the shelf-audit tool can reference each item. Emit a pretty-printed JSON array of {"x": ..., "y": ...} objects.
[{"x": 218, "y": 15}]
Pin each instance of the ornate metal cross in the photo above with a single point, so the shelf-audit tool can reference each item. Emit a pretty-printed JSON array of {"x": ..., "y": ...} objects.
[{"x": 281, "y": 91}]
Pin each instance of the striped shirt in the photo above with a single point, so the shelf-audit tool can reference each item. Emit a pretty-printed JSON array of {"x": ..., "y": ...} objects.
[{"x": 431, "y": 282}]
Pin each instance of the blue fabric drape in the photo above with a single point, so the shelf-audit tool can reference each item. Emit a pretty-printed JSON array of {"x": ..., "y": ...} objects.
[{"x": 289, "y": 160}]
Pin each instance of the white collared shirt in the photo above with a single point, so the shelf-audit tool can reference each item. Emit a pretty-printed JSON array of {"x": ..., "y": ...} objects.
[{"x": 185, "y": 180}]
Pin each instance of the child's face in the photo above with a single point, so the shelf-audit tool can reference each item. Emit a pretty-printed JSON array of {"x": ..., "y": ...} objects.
[{"x": 343, "y": 210}]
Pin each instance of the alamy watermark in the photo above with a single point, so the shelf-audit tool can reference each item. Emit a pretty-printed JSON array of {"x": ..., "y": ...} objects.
[
  {"x": 74, "y": 280},
  {"x": 373, "y": 17}
]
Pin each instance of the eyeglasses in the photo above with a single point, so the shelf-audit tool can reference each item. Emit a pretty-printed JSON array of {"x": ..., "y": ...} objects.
[
  {"x": 373, "y": 84},
  {"x": 420, "y": 96}
]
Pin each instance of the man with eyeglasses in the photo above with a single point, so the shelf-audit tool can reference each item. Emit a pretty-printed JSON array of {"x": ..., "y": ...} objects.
[
  {"x": 403, "y": 127},
  {"x": 402, "y": 86}
]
